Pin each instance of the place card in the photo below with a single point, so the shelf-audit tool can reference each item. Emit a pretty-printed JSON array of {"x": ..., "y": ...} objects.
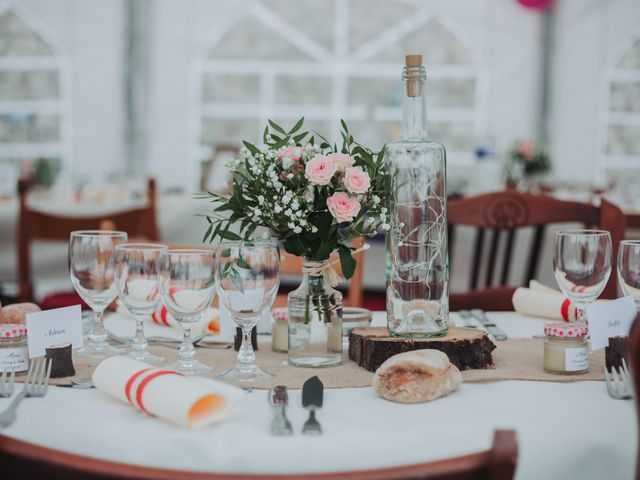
[
  {"x": 54, "y": 327},
  {"x": 610, "y": 319}
]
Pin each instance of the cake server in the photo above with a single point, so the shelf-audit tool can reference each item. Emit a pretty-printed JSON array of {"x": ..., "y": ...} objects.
[
  {"x": 487, "y": 323},
  {"x": 312, "y": 393},
  {"x": 279, "y": 399}
]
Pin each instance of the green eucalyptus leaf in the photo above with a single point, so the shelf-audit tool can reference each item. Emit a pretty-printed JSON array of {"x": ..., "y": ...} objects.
[
  {"x": 252, "y": 148},
  {"x": 277, "y": 127},
  {"x": 236, "y": 278},
  {"x": 347, "y": 262},
  {"x": 297, "y": 126},
  {"x": 227, "y": 235},
  {"x": 294, "y": 245}
]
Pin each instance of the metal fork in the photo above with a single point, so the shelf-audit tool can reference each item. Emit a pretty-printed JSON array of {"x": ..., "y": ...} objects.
[
  {"x": 36, "y": 385},
  {"x": 6, "y": 387},
  {"x": 619, "y": 383}
]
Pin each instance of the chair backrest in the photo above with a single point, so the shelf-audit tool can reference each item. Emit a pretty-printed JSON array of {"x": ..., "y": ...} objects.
[
  {"x": 499, "y": 215},
  {"x": 36, "y": 225},
  {"x": 292, "y": 265},
  {"x": 25, "y": 460}
]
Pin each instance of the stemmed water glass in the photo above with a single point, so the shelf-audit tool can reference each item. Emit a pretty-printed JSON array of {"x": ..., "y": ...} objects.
[
  {"x": 247, "y": 277},
  {"x": 582, "y": 266},
  {"x": 92, "y": 270},
  {"x": 187, "y": 287},
  {"x": 137, "y": 271},
  {"x": 629, "y": 269}
]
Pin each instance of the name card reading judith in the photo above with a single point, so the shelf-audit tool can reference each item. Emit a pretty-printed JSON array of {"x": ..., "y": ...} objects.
[
  {"x": 54, "y": 327},
  {"x": 610, "y": 319}
]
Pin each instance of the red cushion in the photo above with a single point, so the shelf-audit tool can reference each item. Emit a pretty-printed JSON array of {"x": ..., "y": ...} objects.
[{"x": 62, "y": 299}]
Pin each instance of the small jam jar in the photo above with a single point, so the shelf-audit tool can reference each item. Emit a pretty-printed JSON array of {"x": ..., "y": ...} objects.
[
  {"x": 280, "y": 330},
  {"x": 14, "y": 354},
  {"x": 566, "y": 349}
]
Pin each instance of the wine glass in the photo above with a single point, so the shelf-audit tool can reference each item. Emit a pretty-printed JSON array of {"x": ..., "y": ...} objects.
[
  {"x": 137, "y": 270},
  {"x": 582, "y": 266},
  {"x": 187, "y": 287},
  {"x": 247, "y": 278},
  {"x": 629, "y": 269},
  {"x": 92, "y": 270}
]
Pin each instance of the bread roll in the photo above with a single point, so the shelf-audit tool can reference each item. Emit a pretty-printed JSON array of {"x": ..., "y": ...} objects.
[
  {"x": 417, "y": 376},
  {"x": 17, "y": 312}
]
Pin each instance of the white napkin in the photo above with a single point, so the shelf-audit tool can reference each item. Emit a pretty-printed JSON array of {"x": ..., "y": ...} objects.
[
  {"x": 210, "y": 323},
  {"x": 190, "y": 402},
  {"x": 541, "y": 301}
]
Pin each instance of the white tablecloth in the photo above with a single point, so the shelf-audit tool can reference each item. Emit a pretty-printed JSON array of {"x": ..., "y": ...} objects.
[{"x": 565, "y": 430}]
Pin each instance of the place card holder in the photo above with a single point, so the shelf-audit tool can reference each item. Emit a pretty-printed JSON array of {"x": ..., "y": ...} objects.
[
  {"x": 617, "y": 349},
  {"x": 61, "y": 360},
  {"x": 237, "y": 339}
]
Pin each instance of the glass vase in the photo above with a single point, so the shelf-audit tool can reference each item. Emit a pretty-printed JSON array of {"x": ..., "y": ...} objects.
[{"x": 315, "y": 319}]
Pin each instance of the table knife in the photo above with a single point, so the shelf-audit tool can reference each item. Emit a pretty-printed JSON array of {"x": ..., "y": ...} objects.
[
  {"x": 487, "y": 323},
  {"x": 279, "y": 399},
  {"x": 312, "y": 393}
]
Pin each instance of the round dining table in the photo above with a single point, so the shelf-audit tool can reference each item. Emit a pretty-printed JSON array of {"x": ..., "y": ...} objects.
[{"x": 565, "y": 430}]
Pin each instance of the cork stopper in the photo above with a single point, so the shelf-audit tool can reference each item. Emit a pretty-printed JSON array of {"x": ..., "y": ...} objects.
[
  {"x": 413, "y": 60},
  {"x": 413, "y": 66}
]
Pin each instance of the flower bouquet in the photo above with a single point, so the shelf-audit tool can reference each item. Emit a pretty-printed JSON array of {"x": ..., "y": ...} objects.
[
  {"x": 315, "y": 198},
  {"x": 524, "y": 161}
]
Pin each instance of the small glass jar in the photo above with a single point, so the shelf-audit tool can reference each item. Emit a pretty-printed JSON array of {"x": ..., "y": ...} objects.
[
  {"x": 280, "y": 330},
  {"x": 14, "y": 353},
  {"x": 566, "y": 349}
]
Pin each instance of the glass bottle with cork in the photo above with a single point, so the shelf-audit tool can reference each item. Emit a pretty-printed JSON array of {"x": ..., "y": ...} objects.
[{"x": 417, "y": 256}]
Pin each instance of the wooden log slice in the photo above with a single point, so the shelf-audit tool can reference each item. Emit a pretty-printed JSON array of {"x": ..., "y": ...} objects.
[{"x": 467, "y": 348}]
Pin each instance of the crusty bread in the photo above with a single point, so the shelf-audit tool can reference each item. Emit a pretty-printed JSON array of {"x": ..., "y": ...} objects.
[
  {"x": 416, "y": 376},
  {"x": 17, "y": 312}
]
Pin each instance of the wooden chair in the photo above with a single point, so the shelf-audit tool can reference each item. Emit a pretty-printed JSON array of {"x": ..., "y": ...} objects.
[
  {"x": 35, "y": 225},
  {"x": 24, "y": 460},
  {"x": 497, "y": 217},
  {"x": 292, "y": 265}
]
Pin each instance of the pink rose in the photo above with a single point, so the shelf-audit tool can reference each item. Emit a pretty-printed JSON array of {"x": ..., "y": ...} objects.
[
  {"x": 343, "y": 207},
  {"x": 342, "y": 161},
  {"x": 357, "y": 180},
  {"x": 525, "y": 149},
  {"x": 292, "y": 153},
  {"x": 320, "y": 169}
]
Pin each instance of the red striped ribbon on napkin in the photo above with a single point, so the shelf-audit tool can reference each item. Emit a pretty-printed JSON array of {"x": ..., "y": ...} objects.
[{"x": 139, "y": 381}]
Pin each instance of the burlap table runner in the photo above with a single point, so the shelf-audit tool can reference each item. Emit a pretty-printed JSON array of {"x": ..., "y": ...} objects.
[{"x": 514, "y": 359}]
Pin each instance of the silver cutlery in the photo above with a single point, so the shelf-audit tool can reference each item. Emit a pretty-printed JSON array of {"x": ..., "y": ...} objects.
[
  {"x": 7, "y": 386},
  {"x": 279, "y": 399},
  {"x": 312, "y": 394},
  {"x": 35, "y": 386},
  {"x": 487, "y": 323},
  {"x": 78, "y": 383},
  {"x": 465, "y": 316},
  {"x": 154, "y": 339},
  {"x": 619, "y": 383}
]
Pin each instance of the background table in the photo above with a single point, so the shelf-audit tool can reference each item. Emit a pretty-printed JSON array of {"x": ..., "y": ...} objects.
[{"x": 565, "y": 430}]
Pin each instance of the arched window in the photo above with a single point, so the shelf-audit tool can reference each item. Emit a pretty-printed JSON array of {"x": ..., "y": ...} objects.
[
  {"x": 33, "y": 91},
  {"x": 620, "y": 118},
  {"x": 320, "y": 59}
]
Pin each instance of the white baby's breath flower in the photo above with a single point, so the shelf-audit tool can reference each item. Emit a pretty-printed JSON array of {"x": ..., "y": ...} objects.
[
  {"x": 286, "y": 199},
  {"x": 288, "y": 213},
  {"x": 286, "y": 163},
  {"x": 260, "y": 198},
  {"x": 257, "y": 212},
  {"x": 295, "y": 205},
  {"x": 386, "y": 226},
  {"x": 291, "y": 225},
  {"x": 297, "y": 230},
  {"x": 289, "y": 176},
  {"x": 314, "y": 229},
  {"x": 383, "y": 209},
  {"x": 269, "y": 137},
  {"x": 277, "y": 209},
  {"x": 376, "y": 199}
]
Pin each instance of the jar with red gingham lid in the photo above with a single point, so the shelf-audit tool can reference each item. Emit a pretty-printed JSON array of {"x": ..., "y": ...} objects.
[
  {"x": 566, "y": 349},
  {"x": 14, "y": 354}
]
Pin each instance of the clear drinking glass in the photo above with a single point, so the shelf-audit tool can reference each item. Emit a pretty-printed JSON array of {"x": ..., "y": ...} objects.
[
  {"x": 187, "y": 287},
  {"x": 137, "y": 270},
  {"x": 92, "y": 270},
  {"x": 582, "y": 266},
  {"x": 247, "y": 276},
  {"x": 629, "y": 269}
]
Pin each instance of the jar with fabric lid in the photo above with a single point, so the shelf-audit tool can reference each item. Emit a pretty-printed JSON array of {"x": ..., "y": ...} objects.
[
  {"x": 14, "y": 353},
  {"x": 566, "y": 349}
]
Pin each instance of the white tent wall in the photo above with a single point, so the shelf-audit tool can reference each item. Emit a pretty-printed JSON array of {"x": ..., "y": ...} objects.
[{"x": 90, "y": 35}]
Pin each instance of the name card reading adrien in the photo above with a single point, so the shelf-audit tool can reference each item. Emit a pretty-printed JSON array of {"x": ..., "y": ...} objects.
[{"x": 52, "y": 332}]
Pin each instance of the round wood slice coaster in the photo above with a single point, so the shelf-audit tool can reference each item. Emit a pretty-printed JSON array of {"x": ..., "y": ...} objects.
[{"x": 467, "y": 348}]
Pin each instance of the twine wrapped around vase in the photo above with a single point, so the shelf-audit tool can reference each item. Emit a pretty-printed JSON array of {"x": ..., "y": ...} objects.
[{"x": 328, "y": 268}]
